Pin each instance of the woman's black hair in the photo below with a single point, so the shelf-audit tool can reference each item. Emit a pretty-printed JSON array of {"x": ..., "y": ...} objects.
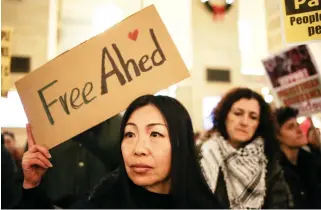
[
  {"x": 284, "y": 114},
  {"x": 188, "y": 186},
  {"x": 266, "y": 128}
]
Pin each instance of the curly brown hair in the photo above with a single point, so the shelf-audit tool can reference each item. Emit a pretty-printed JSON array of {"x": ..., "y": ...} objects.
[{"x": 266, "y": 128}]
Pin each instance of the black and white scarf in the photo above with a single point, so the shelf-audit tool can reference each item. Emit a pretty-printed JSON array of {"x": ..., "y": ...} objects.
[{"x": 243, "y": 169}]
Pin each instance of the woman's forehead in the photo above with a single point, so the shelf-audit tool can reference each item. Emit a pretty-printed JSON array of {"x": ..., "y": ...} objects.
[
  {"x": 148, "y": 114},
  {"x": 247, "y": 104}
]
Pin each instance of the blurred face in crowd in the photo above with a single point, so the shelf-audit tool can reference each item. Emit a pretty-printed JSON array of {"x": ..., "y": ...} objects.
[
  {"x": 242, "y": 121},
  {"x": 146, "y": 149},
  {"x": 291, "y": 135},
  {"x": 10, "y": 143},
  {"x": 314, "y": 137}
]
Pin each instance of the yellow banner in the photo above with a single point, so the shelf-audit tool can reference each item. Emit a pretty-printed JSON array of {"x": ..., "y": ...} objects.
[{"x": 301, "y": 21}]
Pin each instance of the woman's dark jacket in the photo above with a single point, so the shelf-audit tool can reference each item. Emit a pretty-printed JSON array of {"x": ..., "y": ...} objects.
[{"x": 111, "y": 193}]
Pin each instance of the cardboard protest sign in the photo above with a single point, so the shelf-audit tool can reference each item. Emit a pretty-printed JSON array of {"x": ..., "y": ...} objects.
[
  {"x": 301, "y": 20},
  {"x": 100, "y": 78},
  {"x": 6, "y": 39},
  {"x": 295, "y": 78}
]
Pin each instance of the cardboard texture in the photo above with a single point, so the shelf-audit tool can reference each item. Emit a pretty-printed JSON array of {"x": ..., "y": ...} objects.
[
  {"x": 301, "y": 21},
  {"x": 100, "y": 78}
]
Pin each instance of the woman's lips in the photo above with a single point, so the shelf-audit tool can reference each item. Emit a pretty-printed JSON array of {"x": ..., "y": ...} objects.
[
  {"x": 242, "y": 131},
  {"x": 140, "y": 168}
]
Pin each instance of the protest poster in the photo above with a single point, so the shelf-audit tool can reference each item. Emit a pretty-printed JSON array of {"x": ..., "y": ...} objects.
[
  {"x": 100, "y": 77},
  {"x": 301, "y": 21},
  {"x": 295, "y": 78},
  {"x": 6, "y": 39}
]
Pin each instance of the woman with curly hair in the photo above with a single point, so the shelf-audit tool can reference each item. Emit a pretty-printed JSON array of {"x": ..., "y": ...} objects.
[{"x": 239, "y": 160}]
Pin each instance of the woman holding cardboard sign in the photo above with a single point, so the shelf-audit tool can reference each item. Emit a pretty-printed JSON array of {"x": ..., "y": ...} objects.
[{"x": 159, "y": 167}]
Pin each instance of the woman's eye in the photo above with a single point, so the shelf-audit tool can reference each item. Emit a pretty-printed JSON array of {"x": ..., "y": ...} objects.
[
  {"x": 237, "y": 113},
  {"x": 129, "y": 135},
  {"x": 156, "y": 134},
  {"x": 254, "y": 118},
  {"x": 291, "y": 127}
]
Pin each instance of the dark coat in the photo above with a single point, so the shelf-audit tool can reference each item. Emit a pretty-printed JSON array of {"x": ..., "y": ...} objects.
[
  {"x": 80, "y": 163},
  {"x": 114, "y": 191},
  {"x": 304, "y": 180},
  {"x": 10, "y": 191},
  {"x": 37, "y": 198}
]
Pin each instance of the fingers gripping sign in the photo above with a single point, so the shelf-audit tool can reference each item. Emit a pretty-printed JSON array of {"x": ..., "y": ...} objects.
[
  {"x": 34, "y": 162},
  {"x": 31, "y": 140}
]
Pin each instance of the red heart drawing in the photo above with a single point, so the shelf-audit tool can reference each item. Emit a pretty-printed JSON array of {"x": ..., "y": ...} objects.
[{"x": 133, "y": 35}]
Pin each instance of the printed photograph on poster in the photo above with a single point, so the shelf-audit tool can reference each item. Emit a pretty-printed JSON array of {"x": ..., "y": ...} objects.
[
  {"x": 296, "y": 79},
  {"x": 291, "y": 66}
]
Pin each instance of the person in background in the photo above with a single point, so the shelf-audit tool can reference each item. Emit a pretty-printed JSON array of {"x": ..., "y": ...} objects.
[
  {"x": 81, "y": 162},
  {"x": 9, "y": 141},
  {"x": 11, "y": 145},
  {"x": 159, "y": 168},
  {"x": 240, "y": 158},
  {"x": 300, "y": 167},
  {"x": 9, "y": 189},
  {"x": 314, "y": 140}
]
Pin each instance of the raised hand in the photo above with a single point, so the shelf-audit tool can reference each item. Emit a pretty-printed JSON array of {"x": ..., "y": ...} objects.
[{"x": 34, "y": 162}]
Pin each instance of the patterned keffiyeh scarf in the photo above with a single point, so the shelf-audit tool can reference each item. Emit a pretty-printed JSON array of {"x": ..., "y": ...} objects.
[{"x": 243, "y": 169}]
